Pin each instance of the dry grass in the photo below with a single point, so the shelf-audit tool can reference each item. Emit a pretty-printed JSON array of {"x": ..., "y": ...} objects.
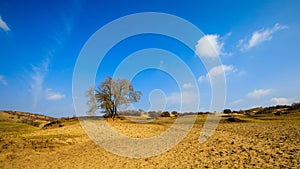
[{"x": 256, "y": 141}]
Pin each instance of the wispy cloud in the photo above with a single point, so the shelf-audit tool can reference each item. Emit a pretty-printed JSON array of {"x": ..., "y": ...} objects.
[
  {"x": 185, "y": 97},
  {"x": 37, "y": 77},
  {"x": 281, "y": 100},
  {"x": 258, "y": 93},
  {"x": 216, "y": 71},
  {"x": 201, "y": 79},
  {"x": 62, "y": 31},
  {"x": 260, "y": 36},
  {"x": 2, "y": 80},
  {"x": 187, "y": 85},
  {"x": 51, "y": 95},
  {"x": 236, "y": 102},
  {"x": 70, "y": 14},
  {"x": 3, "y": 25}
]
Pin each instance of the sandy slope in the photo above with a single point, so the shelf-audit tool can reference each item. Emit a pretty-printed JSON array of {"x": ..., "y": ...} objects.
[{"x": 233, "y": 145}]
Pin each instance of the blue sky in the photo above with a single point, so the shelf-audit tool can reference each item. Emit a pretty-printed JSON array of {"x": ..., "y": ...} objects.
[{"x": 257, "y": 42}]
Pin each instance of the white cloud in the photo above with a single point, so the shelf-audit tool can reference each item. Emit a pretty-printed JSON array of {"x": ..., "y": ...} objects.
[
  {"x": 260, "y": 36},
  {"x": 2, "y": 80},
  {"x": 37, "y": 77},
  {"x": 188, "y": 97},
  {"x": 187, "y": 85},
  {"x": 209, "y": 46},
  {"x": 50, "y": 95},
  {"x": 281, "y": 100},
  {"x": 257, "y": 93},
  {"x": 219, "y": 70},
  {"x": 3, "y": 25},
  {"x": 216, "y": 71}
]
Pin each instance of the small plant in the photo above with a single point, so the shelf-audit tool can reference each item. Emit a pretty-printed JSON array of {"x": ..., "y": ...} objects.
[
  {"x": 165, "y": 114},
  {"x": 175, "y": 114},
  {"x": 227, "y": 111}
]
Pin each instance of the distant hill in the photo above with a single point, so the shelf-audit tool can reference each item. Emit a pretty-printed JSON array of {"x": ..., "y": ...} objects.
[
  {"x": 20, "y": 115},
  {"x": 276, "y": 110},
  {"x": 39, "y": 120},
  {"x": 36, "y": 120}
]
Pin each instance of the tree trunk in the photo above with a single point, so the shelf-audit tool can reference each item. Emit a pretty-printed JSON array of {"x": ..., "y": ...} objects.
[{"x": 114, "y": 112}]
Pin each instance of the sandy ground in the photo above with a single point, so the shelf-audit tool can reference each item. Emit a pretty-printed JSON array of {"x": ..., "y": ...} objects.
[{"x": 264, "y": 144}]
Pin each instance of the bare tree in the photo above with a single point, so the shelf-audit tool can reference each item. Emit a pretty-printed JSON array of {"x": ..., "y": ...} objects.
[
  {"x": 114, "y": 93},
  {"x": 92, "y": 102}
]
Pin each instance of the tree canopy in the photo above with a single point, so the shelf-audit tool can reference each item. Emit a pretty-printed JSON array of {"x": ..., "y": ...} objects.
[{"x": 110, "y": 95}]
